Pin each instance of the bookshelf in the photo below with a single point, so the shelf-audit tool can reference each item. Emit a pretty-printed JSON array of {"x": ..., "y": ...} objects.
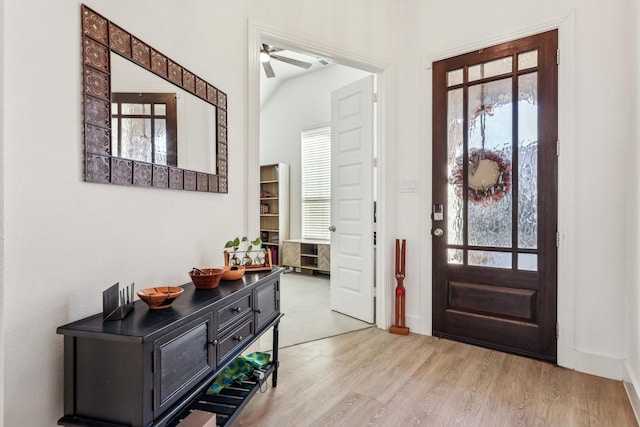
[{"x": 274, "y": 207}]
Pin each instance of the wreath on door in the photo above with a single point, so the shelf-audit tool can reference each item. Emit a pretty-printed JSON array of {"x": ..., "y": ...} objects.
[
  {"x": 489, "y": 172},
  {"x": 489, "y": 176}
]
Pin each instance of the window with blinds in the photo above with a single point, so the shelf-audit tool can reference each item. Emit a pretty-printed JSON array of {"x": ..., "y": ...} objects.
[{"x": 316, "y": 183}]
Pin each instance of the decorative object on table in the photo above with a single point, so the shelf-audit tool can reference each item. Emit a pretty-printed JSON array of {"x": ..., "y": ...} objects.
[
  {"x": 399, "y": 327},
  {"x": 248, "y": 248},
  {"x": 161, "y": 296},
  {"x": 248, "y": 253},
  {"x": 206, "y": 278},
  {"x": 233, "y": 272},
  {"x": 116, "y": 302},
  {"x": 239, "y": 370},
  {"x": 261, "y": 262},
  {"x": 489, "y": 172}
]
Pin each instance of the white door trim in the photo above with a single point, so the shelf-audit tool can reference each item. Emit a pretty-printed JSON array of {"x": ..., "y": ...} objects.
[
  {"x": 567, "y": 354},
  {"x": 259, "y": 33}
]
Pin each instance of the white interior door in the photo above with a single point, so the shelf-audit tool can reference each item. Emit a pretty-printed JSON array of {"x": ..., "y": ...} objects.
[{"x": 352, "y": 200}]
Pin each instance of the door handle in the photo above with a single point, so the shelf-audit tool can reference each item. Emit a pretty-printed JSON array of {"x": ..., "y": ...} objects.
[
  {"x": 438, "y": 232},
  {"x": 332, "y": 228}
]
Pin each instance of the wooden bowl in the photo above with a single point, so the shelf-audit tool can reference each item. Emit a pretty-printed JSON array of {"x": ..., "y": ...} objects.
[
  {"x": 230, "y": 274},
  {"x": 160, "y": 296},
  {"x": 206, "y": 278}
]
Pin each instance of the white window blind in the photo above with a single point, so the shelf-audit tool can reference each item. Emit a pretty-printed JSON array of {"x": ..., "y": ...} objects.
[{"x": 316, "y": 183}]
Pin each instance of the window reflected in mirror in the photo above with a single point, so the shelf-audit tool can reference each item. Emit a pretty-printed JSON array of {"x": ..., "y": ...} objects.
[{"x": 143, "y": 127}]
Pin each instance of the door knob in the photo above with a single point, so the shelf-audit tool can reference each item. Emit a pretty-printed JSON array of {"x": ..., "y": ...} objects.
[
  {"x": 438, "y": 232},
  {"x": 332, "y": 228}
]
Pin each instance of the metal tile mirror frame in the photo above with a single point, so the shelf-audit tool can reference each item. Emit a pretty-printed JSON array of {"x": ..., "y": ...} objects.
[{"x": 100, "y": 37}]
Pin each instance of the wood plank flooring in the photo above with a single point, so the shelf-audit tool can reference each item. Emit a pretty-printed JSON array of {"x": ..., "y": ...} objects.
[{"x": 374, "y": 378}]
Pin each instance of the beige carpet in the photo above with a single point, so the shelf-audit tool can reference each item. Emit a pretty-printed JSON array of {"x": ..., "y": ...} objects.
[{"x": 304, "y": 300}]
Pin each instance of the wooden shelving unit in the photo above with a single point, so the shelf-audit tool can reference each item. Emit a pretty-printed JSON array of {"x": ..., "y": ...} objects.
[
  {"x": 311, "y": 255},
  {"x": 274, "y": 207}
]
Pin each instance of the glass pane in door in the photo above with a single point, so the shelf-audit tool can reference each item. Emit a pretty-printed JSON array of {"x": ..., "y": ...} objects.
[
  {"x": 455, "y": 77},
  {"x": 455, "y": 132},
  {"x": 490, "y": 158},
  {"x": 490, "y": 259},
  {"x": 528, "y": 161},
  {"x": 491, "y": 68},
  {"x": 528, "y": 60}
]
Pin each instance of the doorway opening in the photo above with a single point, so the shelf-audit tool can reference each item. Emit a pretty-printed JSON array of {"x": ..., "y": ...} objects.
[{"x": 294, "y": 99}]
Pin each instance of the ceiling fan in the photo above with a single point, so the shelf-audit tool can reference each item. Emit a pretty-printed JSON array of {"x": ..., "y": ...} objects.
[{"x": 267, "y": 53}]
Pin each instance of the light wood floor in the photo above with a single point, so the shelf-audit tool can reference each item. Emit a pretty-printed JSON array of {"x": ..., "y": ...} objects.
[{"x": 374, "y": 378}]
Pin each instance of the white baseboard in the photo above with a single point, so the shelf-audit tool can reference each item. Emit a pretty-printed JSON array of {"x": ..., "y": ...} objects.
[
  {"x": 632, "y": 386},
  {"x": 597, "y": 364},
  {"x": 413, "y": 323}
]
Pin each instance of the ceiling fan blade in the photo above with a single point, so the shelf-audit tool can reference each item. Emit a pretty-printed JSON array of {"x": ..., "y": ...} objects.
[
  {"x": 295, "y": 62},
  {"x": 270, "y": 49},
  {"x": 268, "y": 70}
]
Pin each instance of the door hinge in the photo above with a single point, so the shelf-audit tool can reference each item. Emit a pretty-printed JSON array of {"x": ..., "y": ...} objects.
[
  {"x": 558, "y": 148},
  {"x": 557, "y": 330},
  {"x": 374, "y": 162},
  {"x": 558, "y": 56},
  {"x": 374, "y": 97},
  {"x": 557, "y": 239}
]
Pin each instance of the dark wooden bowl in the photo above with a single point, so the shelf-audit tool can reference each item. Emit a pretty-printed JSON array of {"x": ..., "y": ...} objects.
[{"x": 206, "y": 278}]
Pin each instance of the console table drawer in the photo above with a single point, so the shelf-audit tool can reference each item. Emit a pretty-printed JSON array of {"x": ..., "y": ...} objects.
[
  {"x": 226, "y": 345},
  {"x": 230, "y": 313}
]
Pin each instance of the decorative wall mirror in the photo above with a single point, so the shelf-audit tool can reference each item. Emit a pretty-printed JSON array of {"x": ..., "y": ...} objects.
[{"x": 196, "y": 158}]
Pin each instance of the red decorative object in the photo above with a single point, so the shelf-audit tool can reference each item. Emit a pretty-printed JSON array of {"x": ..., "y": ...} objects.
[
  {"x": 492, "y": 193},
  {"x": 399, "y": 327}
]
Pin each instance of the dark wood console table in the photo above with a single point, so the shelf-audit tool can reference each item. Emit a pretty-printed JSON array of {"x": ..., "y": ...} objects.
[{"x": 150, "y": 368}]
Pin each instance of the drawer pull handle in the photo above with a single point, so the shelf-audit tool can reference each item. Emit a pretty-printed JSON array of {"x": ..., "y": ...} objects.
[
  {"x": 238, "y": 338},
  {"x": 237, "y": 309},
  {"x": 214, "y": 342},
  {"x": 258, "y": 311}
]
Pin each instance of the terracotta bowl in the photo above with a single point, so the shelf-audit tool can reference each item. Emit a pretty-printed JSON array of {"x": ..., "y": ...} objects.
[
  {"x": 160, "y": 296},
  {"x": 206, "y": 278},
  {"x": 231, "y": 274}
]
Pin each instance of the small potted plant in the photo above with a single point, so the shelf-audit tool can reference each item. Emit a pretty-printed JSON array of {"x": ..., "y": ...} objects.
[
  {"x": 235, "y": 245},
  {"x": 246, "y": 260}
]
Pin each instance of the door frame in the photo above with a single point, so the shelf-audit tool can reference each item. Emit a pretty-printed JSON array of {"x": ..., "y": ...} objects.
[
  {"x": 262, "y": 33},
  {"x": 567, "y": 355}
]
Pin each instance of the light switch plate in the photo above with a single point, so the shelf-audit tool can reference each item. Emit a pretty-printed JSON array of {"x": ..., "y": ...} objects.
[{"x": 409, "y": 186}]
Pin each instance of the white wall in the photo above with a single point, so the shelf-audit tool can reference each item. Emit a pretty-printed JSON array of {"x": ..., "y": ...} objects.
[
  {"x": 632, "y": 187},
  {"x": 2, "y": 281},
  {"x": 67, "y": 240},
  {"x": 299, "y": 104}
]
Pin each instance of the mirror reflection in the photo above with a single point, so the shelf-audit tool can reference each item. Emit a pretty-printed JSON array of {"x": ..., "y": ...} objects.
[
  {"x": 148, "y": 121},
  {"x": 155, "y": 121}
]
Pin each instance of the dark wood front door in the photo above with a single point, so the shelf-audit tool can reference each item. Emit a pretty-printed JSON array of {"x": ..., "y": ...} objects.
[{"x": 495, "y": 196}]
